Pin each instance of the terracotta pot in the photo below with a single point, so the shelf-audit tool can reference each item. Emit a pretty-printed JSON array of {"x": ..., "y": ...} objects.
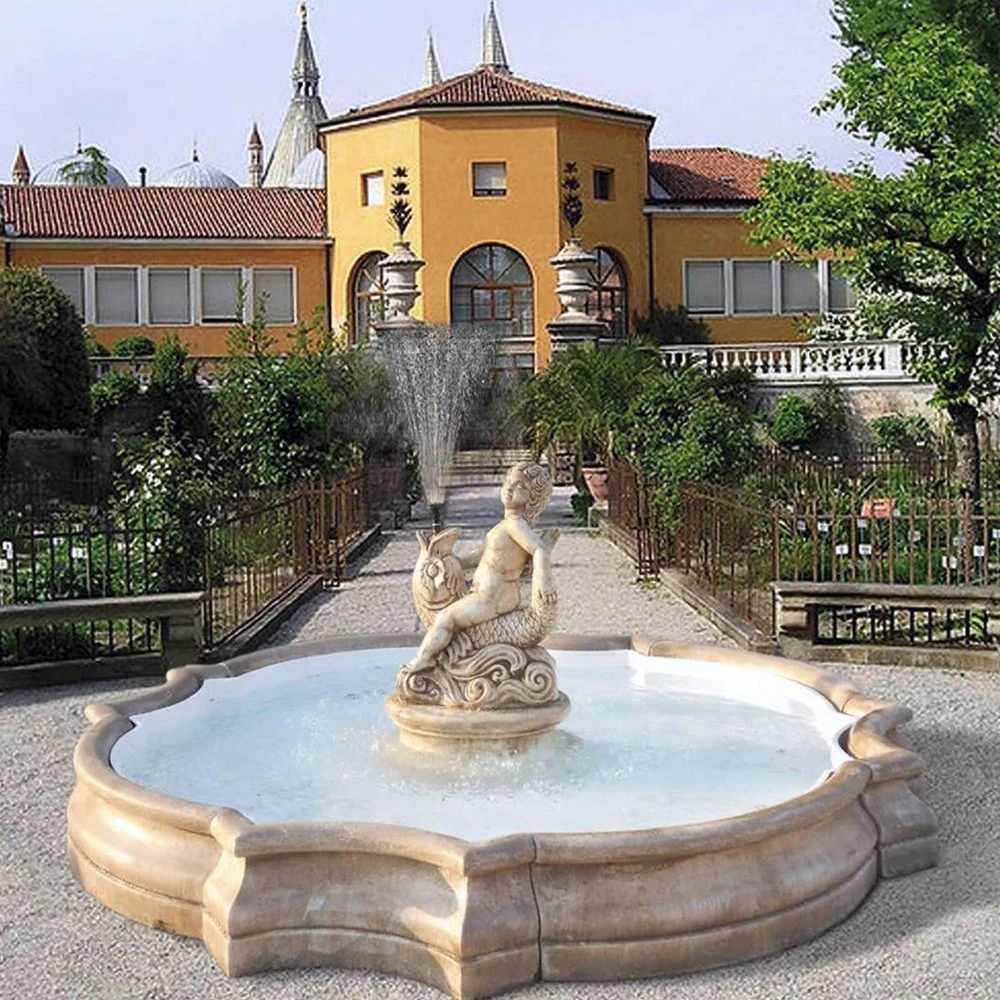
[{"x": 596, "y": 478}]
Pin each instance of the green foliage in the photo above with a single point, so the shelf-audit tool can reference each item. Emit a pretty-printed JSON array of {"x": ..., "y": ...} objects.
[
  {"x": 581, "y": 502},
  {"x": 45, "y": 372},
  {"x": 733, "y": 386},
  {"x": 92, "y": 346},
  {"x": 835, "y": 434},
  {"x": 795, "y": 422},
  {"x": 134, "y": 347},
  {"x": 897, "y": 431},
  {"x": 111, "y": 391},
  {"x": 582, "y": 398},
  {"x": 682, "y": 430},
  {"x": 280, "y": 419},
  {"x": 180, "y": 489},
  {"x": 572, "y": 203},
  {"x": 89, "y": 168},
  {"x": 174, "y": 389},
  {"x": 671, "y": 325},
  {"x": 923, "y": 79}
]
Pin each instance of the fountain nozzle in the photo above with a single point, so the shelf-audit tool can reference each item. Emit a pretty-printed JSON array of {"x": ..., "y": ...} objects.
[{"x": 437, "y": 517}]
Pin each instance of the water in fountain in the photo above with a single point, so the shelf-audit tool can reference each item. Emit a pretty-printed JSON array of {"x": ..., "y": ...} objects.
[{"x": 435, "y": 371}]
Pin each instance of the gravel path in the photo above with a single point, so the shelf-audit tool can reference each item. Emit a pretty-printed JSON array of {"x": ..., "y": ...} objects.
[{"x": 932, "y": 935}]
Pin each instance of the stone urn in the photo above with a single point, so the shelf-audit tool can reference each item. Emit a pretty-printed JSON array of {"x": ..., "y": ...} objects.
[
  {"x": 574, "y": 268},
  {"x": 399, "y": 281}
]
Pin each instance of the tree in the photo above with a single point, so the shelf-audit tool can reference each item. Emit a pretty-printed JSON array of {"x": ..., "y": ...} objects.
[
  {"x": 89, "y": 168},
  {"x": 44, "y": 373},
  {"x": 923, "y": 79},
  {"x": 671, "y": 325}
]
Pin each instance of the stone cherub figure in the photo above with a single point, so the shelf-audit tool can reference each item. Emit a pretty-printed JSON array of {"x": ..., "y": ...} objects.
[{"x": 481, "y": 648}]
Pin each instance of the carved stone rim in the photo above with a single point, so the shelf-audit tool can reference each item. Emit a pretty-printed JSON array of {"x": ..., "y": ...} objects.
[{"x": 877, "y": 759}]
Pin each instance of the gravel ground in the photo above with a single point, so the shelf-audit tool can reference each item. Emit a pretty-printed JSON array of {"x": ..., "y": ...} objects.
[{"x": 932, "y": 935}]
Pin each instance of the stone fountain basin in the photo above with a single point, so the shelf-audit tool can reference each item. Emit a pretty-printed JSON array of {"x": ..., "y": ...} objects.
[{"x": 474, "y": 919}]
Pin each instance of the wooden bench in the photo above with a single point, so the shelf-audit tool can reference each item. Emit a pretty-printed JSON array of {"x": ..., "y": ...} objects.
[{"x": 179, "y": 615}]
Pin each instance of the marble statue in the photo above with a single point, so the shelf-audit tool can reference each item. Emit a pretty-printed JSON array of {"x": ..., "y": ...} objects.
[{"x": 481, "y": 648}]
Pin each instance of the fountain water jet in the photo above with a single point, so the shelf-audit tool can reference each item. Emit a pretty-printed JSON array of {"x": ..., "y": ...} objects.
[{"x": 435, "y": 371}]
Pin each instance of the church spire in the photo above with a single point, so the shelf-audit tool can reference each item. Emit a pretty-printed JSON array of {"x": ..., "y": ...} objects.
[
  {"x": 305, "y": 71},
  {"x": 255, "y": 158},
  {"x": 21, "y": 174},
  {"x": 494, "y": 53},
  {"x": 432, "y": 71}
]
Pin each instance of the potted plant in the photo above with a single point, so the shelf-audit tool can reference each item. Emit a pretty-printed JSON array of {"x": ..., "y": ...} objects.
[
  {"x": 574, "y": 265},
  {"x": 399, "y": 269},
  {"x": 582, "y": 400}
]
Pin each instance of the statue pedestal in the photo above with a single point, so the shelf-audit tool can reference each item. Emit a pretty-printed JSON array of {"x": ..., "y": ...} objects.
[{"x": 428, "y": 726}]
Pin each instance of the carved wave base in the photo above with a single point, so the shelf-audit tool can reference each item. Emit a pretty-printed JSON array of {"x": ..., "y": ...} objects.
[
  {"x": 478, "y": 919},
  {"x": 495, "y": 678}
]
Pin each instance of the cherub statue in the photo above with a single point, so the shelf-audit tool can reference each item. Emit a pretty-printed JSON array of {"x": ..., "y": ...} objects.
[{"x": 481, "y": 645}]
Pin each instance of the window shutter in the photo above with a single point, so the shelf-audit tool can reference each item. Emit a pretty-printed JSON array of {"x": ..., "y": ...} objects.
[
  {"x": 275, "y": 283},
  {"x": 706, "y": 288},
  {"x": 220, "y": 290},
  {"x": 752, "y": 286},
  {"x": 117, "y": 296},
  {"x": 799, "y": 287},
  {"x": 170, "y": 295}
]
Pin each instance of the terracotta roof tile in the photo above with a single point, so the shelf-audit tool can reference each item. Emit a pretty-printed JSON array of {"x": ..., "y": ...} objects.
[
  {"x": 708, "y": 175},
  {"x": 105, "y": 213},
  {"x": 485, "y": 86}
]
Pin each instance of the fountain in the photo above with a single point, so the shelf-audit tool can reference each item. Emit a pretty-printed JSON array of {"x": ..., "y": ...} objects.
[
  {"x": 700, "y": 806},
  {"x": 434, "y": 371}
]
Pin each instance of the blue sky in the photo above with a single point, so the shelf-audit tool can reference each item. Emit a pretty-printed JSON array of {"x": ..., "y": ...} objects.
[{"x": 142, "y": 79}]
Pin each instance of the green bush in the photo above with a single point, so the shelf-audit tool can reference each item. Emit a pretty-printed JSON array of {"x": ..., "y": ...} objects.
[
  {"x": 113, "y": 390},
  {"x": 134, "y": 347},
  {"x": 795, "y": 422},
  {"x": 897, "y": 432},
  {"x": 581, "y": 502},
  {"x": 42, "y": 335},
  {"x": 174, "y": 389},
  {"x": 671, "y": 325}
]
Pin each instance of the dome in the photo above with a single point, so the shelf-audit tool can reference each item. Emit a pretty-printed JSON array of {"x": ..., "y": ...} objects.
[
  {"x": 195, "y": 175},
  {"x": 311, "y": 171},
  {"x": 52, "y": 173}
]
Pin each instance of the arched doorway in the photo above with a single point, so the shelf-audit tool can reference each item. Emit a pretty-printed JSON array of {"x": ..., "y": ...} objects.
[
  {"x": 492, "y": 287},
  {"x": 609, "y": 299},
  {"x": 367, "y": 296}
]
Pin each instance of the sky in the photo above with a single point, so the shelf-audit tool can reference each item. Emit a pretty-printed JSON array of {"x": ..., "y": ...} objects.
[{"x": 143, "y": 79}]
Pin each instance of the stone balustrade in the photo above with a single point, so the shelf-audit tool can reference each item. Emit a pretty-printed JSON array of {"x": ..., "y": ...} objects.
[{"x": 800, "y": 364}]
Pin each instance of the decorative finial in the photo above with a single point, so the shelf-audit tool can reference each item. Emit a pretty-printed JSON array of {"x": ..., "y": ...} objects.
[
  {"x": 79, "y": 139},
  {"x": 194, "y": 150},
  {"x": 303, "y": 13}
]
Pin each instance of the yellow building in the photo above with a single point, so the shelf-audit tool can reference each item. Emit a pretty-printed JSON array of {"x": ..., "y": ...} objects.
[{"x": 485, "y": 154}]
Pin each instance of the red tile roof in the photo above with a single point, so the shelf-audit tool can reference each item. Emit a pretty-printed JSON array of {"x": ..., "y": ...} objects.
[
  {"x": 484, "y": 87},
  {"x": 713, "y": 175},
  {"x": 107, "y": 213}
]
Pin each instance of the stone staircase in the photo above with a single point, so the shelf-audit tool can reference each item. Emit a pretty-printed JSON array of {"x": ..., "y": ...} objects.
[{"x": 484, "y": 468}]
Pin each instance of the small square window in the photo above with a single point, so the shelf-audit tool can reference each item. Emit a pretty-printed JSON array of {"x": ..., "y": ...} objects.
[
  {"x": 752, "y": 292},
  {"x": 373, "y": 189},
  {"x": 604, "y": 184},
  {"x": 69, "y": 281},
  {"x": 489, "y": 180},
  {"x": 842, "y": 295},
  {"x": 170, "y": 296},
  {"x": 117, "y": 296},
  {"x": 799, "y": 286},
  {"x": 274, "y": 286},
  {"x": 220, "y": 294}
]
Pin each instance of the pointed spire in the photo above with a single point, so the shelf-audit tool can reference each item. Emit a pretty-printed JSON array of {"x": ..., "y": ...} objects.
[
  {"x": 432, "y": 71},
  {"x": 305, "y": 70},
  {"x": 255, "y": 158},
  {"x": 21, "y": 172},
  {"x": 494, "y": 53}
]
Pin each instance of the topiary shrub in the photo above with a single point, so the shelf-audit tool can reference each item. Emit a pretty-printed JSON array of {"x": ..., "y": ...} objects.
[
  {"x": 795, "y": 422},
  {"x": 134, "y": 347}
]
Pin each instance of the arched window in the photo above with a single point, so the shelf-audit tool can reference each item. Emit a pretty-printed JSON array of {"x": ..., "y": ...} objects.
[
  {"x": 609, "y": 300},
  {"x": 368, "y": 296},
  {"x": 491, "y": 286}
]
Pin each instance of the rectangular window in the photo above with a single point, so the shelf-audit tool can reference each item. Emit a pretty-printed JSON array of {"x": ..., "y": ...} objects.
[
  {"x": 117, "y": 293},
  {"x": 752, "y": 286},
  {"x": 489, "y": 180},
  {"x": 705, "y": 286},
  {"x": 373, "y": 189},
  {"x": 69, "y": 281},
  {"x": 170, "y": 296},
  {"x": 275, "y": 286},
  {"x": 799, "y": 287},
  {"x": 220, "y": 294},
  {"x": 842, "y": 297},
  {"x": 603, "y": 184}
]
